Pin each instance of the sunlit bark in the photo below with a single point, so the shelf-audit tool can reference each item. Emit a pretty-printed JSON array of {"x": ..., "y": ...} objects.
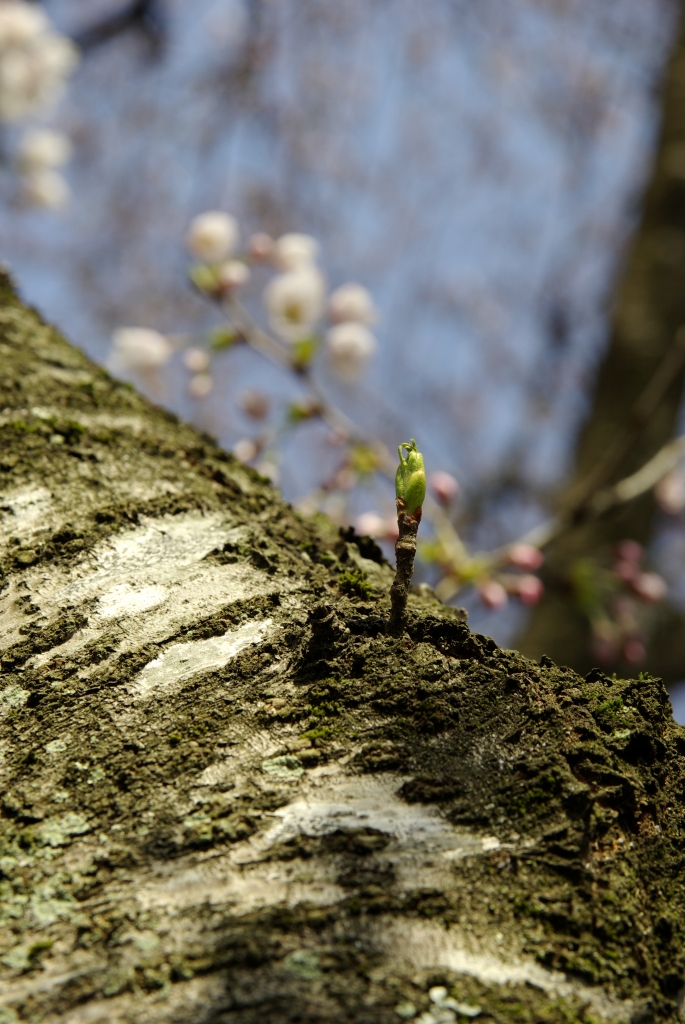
[{"x": 229, "y": 795}]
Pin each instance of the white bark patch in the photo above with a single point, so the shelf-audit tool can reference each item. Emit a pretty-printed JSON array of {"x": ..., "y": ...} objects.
[
  {"x": 241, "y": 880},
  {"x": 130, "y": 423},
  {"x": 422, "y": 848},
  {"x": 151, "y": 581},
  {"x": 249, "y": 745},
  {"x": 24, "y": 512},
  {"x": 424, "y": 944},
  {"x": 358, "y": 801},
  {"x": 181, "y": 661},
  {"x": 125, "y": 600}
]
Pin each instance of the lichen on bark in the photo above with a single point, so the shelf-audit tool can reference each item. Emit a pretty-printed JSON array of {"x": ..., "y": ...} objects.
[{"x": 229, "y": 795}]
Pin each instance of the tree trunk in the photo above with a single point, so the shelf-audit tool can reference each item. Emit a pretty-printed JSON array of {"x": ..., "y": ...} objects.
[
  {"x": 649, "y": 310},
  {"x": 229, "y": 795}
]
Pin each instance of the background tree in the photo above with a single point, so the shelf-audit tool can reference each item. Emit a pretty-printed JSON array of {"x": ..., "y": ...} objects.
[{"x": 635, "y": 411}]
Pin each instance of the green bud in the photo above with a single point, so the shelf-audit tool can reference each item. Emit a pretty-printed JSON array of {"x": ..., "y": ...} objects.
[
  {"x": 205, "y": 278},
  {"x": 410, "y": 479},
  {"x": 223, "y": 337}
]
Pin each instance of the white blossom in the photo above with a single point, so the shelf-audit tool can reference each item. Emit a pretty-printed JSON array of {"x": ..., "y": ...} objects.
[
  {"x": 650, "y": 586},
  {"x": 42, "y": 148},
  {"x": 350, "y": 346},
  {"x": 35, "y": 61},
  {"x": 670, "y": 492},
  {"x": 20, "y": 23},
  {"x": 212, "y": 236},
  {"x": 200, "y": 385},
  {"x": 295, "y": 302},
  {"x": 269, "y": 469},
  {"x": 45, "y": 187},
  {"x": 352, "y": 302},
  {"x": 371, "y": 524},
  {"x": 138, "y": 350},
  {"x": 295, "y": 252},
  {"x": 233, "y": 274},
  {"x": 196, "y": 360},
  {"x": 245, "y": 449}
]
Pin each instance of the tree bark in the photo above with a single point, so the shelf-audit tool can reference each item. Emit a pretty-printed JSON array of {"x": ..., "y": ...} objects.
[
  {"x": 649, "y": 309},
  {"x": 228, "y": 795}
]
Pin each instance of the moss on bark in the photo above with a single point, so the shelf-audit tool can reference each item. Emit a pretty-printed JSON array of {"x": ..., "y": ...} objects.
[{"x": 229, "y": 795}]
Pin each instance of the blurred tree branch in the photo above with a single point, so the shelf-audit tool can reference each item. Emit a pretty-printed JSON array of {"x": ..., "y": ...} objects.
[{"x": 147, "y": 16}]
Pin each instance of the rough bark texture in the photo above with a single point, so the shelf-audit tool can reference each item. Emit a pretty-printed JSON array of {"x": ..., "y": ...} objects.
[
  {"x": 648, "y": 310},
  {"x": 229, "y": 796},
  {"x": 405, "y": 553}
]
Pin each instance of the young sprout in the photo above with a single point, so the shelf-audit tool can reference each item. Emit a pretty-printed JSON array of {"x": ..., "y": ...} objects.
[{"x": 410, "y": 491}]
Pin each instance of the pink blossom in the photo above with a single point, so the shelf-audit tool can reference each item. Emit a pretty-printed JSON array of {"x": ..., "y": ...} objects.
[
  {"x": 255, "y": 404},
  {"x": 525, "y": 556},
  {"x": 493, "y": 594},
  {"x": 444, "y": 486},
  {"x": 345, "y": 478},
  {"x": 604, "y": 649},
  {"x": 633, "y": 650},
  {"x": 627, "y": 571},
  {"x": 630, "y": 551},
  {"x": 530, "y": 589},
  {"x": 260, "y": 246}
]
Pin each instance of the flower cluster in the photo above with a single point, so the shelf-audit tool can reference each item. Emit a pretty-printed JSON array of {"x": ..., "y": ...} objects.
[
  {"x": 295, "y": 298},
  {"x": 614, "y": 602},
  {"x": 296, "y": 303},
  {"x": 495, "y": 589},
  {"x": 42, "y": 152},
  {"x": 304, "y": 319},
  {"x": 35, "y": 62}
]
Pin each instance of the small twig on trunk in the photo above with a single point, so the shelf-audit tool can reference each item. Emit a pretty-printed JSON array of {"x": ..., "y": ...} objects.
[
  {"x": 410, "y": 489},
  {"x": 405, "y": 552}
]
